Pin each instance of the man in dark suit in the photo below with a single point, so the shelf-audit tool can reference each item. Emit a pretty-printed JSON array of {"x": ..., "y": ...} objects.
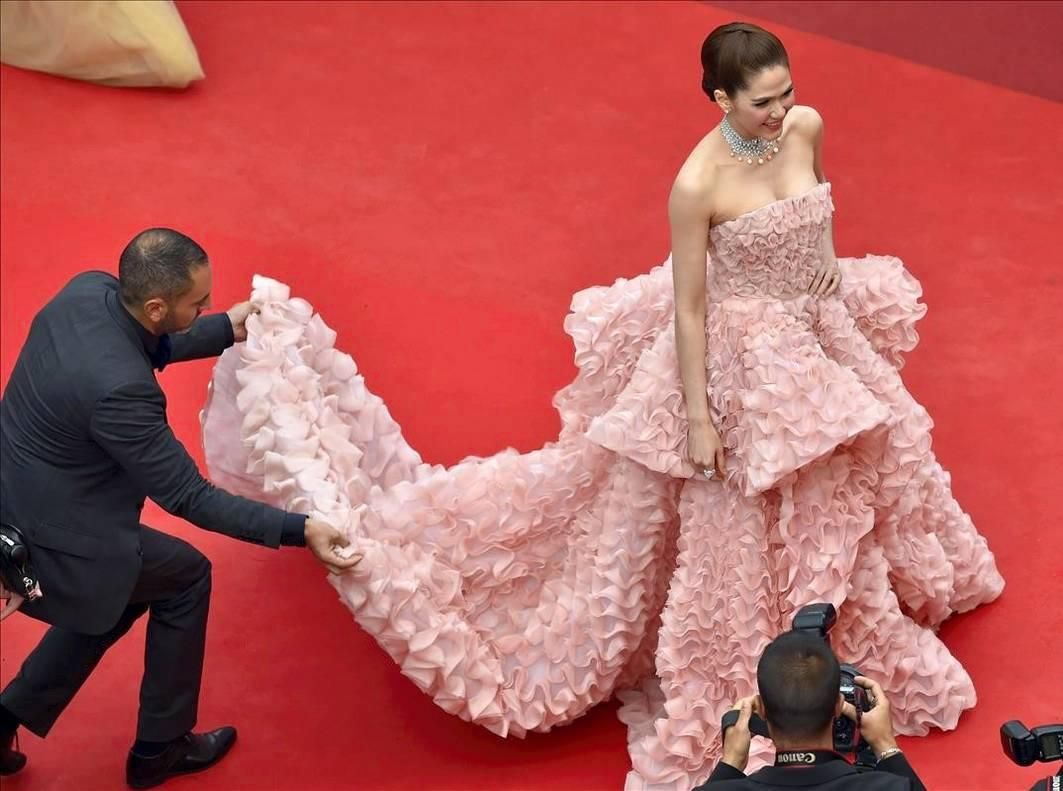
[
  {"x": 83, "y": 441},
  {"x": 799, "y": 679}
]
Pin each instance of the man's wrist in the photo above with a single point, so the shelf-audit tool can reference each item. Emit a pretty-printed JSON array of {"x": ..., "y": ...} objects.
[
  {"x": 888, "y": 753},
  {"x": 230, "y": 331},
  {"x": 293, "y": 531},
  {"x": 735, "y": 760},
  {"x": 882, "y": 746}
]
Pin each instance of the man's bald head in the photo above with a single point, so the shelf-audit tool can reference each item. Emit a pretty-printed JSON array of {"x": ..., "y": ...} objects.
[{"x": 159, "y": 263}]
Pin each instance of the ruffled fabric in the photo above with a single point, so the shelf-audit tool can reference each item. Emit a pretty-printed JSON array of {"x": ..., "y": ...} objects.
[{"x": 520, "y": 590}]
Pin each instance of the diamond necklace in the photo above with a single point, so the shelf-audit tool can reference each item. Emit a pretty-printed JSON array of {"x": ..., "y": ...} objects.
[{"x": 757, "y": 149}]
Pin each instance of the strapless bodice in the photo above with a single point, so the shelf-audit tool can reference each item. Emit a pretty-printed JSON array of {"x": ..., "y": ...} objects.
[{"x": 773, "y": 251}]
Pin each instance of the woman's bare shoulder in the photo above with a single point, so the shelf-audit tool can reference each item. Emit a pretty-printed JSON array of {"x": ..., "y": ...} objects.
[
  {"x": 696, "y": 180},
  {"x": 805, "y": 120}
]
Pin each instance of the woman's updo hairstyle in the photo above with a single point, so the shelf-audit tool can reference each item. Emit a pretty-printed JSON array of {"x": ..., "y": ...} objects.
[{"x": 735, "y": 52}]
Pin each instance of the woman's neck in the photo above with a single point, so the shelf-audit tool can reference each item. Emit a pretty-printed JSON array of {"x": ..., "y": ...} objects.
[{"x": 742, "y": 132}]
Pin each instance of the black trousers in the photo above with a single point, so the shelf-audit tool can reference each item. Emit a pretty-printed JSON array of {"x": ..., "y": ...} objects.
[{"x": 174, "y": 588}]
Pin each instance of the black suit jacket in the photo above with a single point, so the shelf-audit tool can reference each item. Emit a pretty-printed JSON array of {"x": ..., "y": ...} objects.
[
  {"x": 84, "y": 440},
  {"x": 893, "y": 774}
]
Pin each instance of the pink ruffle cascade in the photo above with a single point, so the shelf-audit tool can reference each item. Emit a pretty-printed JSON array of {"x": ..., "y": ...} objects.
[{"x": 520, "y": 590}]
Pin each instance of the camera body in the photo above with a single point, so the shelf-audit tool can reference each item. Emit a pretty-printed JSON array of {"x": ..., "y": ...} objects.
[
  {"x": 16, "y": 572},
  {"x": 1024, "y": 746},
  {"x": 819, "y": 619},
  {"x": 846, "y": 732}
]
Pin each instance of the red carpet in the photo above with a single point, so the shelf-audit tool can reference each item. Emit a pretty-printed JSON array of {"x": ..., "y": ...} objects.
[
  {"x": 437, "y": 180},
  {"x": 1011, "y": 43}
]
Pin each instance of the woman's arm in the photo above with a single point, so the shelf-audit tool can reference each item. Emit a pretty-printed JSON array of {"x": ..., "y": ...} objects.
[
  {"x": 815, "y": 131},
  {"x": 690, "y": 237},
  {"x": 828, "y": 278},
  {"x": 689, "y": 215},
  {"x": 816, "y": 123}
]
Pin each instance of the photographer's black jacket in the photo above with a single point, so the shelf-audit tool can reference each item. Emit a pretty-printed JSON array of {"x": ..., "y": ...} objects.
[
  {"x": 84, "y": 440},
  {"x": 892, "y": 774}
]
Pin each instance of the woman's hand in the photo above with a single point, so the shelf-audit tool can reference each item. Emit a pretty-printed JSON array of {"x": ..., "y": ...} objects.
[
  {"x": 705, "y": 450},
  {"x": 827, "y": 279}
]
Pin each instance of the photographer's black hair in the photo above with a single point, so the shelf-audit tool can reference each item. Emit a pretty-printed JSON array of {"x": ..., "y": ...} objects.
[
  {"x": 158, "y": 263},
  {"x": 798, "y": 678},
  {"x": 734, "y": 52}
]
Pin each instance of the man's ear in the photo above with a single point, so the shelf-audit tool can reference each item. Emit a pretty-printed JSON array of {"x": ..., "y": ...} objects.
[
  {"x": 155, "y": 309},
  {"x": 758, "y": 706}
]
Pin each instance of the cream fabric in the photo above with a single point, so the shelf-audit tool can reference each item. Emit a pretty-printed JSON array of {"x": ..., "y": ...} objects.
[{"x": 125, "y": 43}]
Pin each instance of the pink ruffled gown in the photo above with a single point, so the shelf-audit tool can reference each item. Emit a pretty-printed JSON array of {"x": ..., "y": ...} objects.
[{"x": 520, "y": 590}]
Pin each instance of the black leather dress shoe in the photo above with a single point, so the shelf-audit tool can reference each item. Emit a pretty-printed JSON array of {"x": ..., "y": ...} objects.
[
  {"x": 11, "y": 760},
  {"x": 193, "y": 752}
]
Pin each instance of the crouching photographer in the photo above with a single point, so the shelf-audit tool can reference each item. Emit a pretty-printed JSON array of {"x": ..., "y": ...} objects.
[{"x": 801, "y": 709}]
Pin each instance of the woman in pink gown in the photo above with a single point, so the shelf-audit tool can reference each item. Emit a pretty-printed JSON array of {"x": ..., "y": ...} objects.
[{"x": 737, "y": 443}]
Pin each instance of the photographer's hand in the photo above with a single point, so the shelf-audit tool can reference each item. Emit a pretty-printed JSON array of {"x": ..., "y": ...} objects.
[
  {"x": 876, "y": 726},
  {"x": 737, "y": 740}
]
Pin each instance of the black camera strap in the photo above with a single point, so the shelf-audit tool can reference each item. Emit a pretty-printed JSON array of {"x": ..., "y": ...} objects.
[
  {"x": 786, "y": 759},
  {"x": 805, "y": 769}
]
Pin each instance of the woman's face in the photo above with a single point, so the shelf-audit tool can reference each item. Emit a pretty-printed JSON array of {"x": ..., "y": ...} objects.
[{"x": 759, "y": 109}]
